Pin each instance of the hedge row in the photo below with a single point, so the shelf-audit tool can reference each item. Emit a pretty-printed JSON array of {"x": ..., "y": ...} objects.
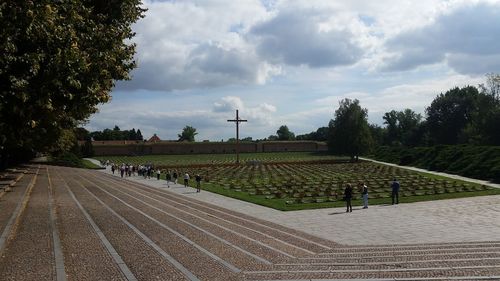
[{"x": 480, "y": 162}]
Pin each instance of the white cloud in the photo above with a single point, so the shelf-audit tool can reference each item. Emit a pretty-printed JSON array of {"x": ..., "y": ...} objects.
[
  {"x": 210, "y": 123},
  {"x": 228, "y": 104},
  {"x": 466, "y": 38},
  {"x": 196, "y": 44},
  {"x": 416, "y": 96},
  {"x": 305, "y": 38},
  {"x": 291, "y": 61}
]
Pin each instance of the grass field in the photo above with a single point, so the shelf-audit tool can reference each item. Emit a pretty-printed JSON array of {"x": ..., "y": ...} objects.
[{"x": 296, "y": 181}]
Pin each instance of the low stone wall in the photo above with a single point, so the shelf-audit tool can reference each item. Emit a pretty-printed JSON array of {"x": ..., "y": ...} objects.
[{"x": 104, "y": 148}]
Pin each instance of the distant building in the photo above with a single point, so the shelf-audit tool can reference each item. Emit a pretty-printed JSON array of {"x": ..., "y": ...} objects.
[{"x": 154, "y": 138}]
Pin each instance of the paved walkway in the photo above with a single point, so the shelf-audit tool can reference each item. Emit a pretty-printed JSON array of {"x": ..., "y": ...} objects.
[{"x": 454, "y": 220}]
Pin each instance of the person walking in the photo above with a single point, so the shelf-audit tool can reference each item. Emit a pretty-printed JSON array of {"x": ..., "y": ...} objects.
[
  {"x": 158, "y": 174},
  {"x": 364, "y": 195},
  {"x": 348, "y": 197},
  {"x": 395, "y": 191},
  {"x": 198, "y": 182},
  {"x": 168, "y": 177},
  {"x": 175, "y": 177},
  {"x": 186, "y": 180}
]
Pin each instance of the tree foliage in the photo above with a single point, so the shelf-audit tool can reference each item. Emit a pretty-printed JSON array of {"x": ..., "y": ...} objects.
[
  {"x": 116, "y": 134},
  {"x": 403, "y": 127},
  {"x": 59, "y": 61},
  {"x": 321, "y": 134},
  {"x": 461, "y": 115},
  {"x": 349, "y": 131},
  {"x": 188, "y": 134},
  {"x": 284, "y": 134}
]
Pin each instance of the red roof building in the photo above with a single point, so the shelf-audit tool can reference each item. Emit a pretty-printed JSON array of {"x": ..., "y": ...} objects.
[{"x": 154, "y": 138}]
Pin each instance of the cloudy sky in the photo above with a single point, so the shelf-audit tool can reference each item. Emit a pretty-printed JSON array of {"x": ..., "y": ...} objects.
[{"x": 291, "y": 61}]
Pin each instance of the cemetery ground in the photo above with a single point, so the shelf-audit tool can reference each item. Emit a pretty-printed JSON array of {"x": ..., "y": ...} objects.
[
  {"x": 299, "y": 180},
  {"x": 60, "y": 223}
]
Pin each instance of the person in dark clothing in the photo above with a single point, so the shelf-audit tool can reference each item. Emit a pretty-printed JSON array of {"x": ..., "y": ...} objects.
[
  {"x": 395, "y": 191},
  {"x": 348, "y": 197},
  {"x": 175, "y": 177},
  {"x": 168, "y": 177},
  {"x": 198, "y": 182}
]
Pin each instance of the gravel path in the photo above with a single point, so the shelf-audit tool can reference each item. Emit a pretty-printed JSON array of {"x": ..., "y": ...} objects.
[
  {"x": 112, "y": 229},
  {"x": 10, "y": 200},
  {"x": 290, "y": 236},
  {"x": 211, "y": 222},
  {"x": 32, "y": 242},
  {"x": 144, "y": 262},
  {"x": 198, "y": 262},
  {"x": 191, "y": 226},
  {"x": 84, "y": 255}
]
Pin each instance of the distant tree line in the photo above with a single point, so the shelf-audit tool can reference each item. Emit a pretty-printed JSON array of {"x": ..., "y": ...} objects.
[
  {"x": 468, "y": 115},
  {"x": 109, "y": 134}
]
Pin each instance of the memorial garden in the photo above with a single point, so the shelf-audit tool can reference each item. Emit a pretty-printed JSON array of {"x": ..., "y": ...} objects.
[{"x": 294, "y": 181}]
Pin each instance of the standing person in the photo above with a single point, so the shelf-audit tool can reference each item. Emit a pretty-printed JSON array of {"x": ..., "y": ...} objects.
[
  {"x": 395, "y": 191},
  {"x": 168, "y": 177},
  {"x": 158, "y": 173},
  {"x": 122, "y": 170},
  {"x": 198, "y": 182},
  {"x": 348, "y": 197},
  {"x": 175, "y": 177},
  {"x": 186, "y": 179},
  {"x": 113, "y": 169},
  {"x": 364, "y": 194}
]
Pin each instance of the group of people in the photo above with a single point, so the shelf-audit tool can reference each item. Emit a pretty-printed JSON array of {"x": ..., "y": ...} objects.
[
  {"x": 348, "y": 194},
  {"x": 148, "y": 171}
]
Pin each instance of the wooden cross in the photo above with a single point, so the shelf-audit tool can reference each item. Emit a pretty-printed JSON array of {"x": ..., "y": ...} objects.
[{"x": 237, "y": 121}]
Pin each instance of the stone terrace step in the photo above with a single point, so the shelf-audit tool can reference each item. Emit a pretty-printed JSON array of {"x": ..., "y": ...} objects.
[
  {"x": 214, "y": 224},
  {"x": 221, "y": 244},
  {"x": 399, "y": 247},
  {"x": 389, "y": 265},
  {"x": 436, "y": 273},
  {"x": 31, "y": 242},
  {"x": 120, "y": 223},
  {"x": 290, "y": 236},
  {"x": 392, "y": 258},
  {"x": 409, "y": 252},
  {"x": 10, "y": 201}
]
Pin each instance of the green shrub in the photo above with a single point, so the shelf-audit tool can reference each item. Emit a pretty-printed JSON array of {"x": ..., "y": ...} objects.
[
  {"x": 67, "y": 159},
  {"x": 481, "y": 162}
]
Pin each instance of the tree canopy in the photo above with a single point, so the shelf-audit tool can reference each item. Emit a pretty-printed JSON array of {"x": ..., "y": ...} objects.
[
  {"x": 321, "y": 134},
  {"x": 284, "y": 133},
  {"x": 349, "y": 131},
  {"x": 403, "y": 127},
  {"x": 116, "y": 134},
  {"x": 60, "y": 59},
  {"x": 187, "y": 134}
]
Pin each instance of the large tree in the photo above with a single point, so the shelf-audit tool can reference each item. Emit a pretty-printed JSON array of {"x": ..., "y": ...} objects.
[
  {"x": 461, "y": 115},
  {"x": 403, "y": 127},
  {"x": 59, "y": 60},
  {"x": 349, "y": 131},
  {"x": 187, "y": 134},
  {"x": 284, "y": 133}
]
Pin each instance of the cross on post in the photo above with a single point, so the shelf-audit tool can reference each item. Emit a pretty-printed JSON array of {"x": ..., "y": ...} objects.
[{"x": 237, "y": 121}]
